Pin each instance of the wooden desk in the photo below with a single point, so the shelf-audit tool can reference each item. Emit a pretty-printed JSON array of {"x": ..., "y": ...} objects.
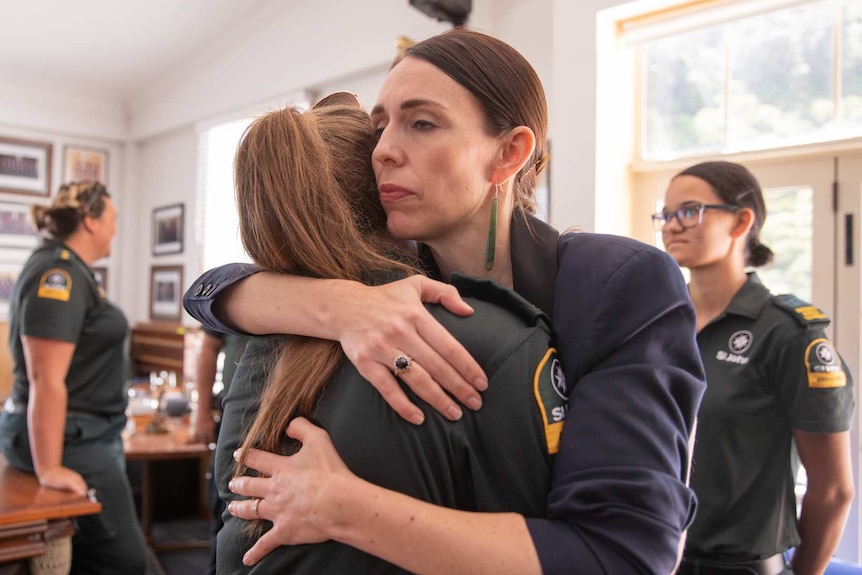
[
  {"x": 31, "y": 516},
  {"x": 178, "y": 443}
]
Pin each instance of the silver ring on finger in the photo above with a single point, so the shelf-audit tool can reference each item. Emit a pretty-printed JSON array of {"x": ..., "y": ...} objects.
[{"x": 402, "y": 364}]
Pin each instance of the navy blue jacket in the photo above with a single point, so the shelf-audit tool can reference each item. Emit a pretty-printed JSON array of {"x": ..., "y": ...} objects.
[{"x": 625, "y": 329}]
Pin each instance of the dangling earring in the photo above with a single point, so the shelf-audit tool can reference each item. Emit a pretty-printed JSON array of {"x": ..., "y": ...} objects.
[{"x": 492, "y": 231}]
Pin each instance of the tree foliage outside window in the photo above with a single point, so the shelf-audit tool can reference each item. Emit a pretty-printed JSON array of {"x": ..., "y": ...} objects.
[
  {"x": 755, "y": 83},
  {"x": 789, "y": 231}
]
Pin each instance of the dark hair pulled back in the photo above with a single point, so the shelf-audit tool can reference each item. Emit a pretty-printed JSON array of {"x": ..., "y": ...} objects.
[
  {"x": 737, "y": 186},
  {"x": 506, "y": 86}
]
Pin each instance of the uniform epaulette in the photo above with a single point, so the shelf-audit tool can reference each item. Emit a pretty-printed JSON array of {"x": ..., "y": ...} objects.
[
  {"x": 61, "y": 253},
  {"x": 802, "y": 311}
]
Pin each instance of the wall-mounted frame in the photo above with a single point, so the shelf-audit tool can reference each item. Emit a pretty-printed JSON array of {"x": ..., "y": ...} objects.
[
  {"x": 11, "y": 264},
  {"x": 25, "y": 167},
  {"x": 166, "y": 292},
  {"x": 82, "y": 164},
  {"x": 16, "y": 230},
  {"x": 101, "y": 275},
  {"x": 168, "y": 230}
]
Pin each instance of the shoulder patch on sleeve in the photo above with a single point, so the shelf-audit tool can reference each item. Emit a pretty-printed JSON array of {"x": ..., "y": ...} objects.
[
  {"x": 55, "y": 284},
  {"x": 552, "y": 396},
  {"x": 823, "y": 365},
  {"x": 803, "y": 312}
]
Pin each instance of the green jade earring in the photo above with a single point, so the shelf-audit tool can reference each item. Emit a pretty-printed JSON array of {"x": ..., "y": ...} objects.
[{"x": 491, "y": 246}]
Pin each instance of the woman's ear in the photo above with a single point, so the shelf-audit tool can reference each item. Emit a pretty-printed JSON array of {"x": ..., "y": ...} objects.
[
  {"x": 87, "y": 222},
  {"x": 745, "y": 219},
  {"x": 516, "y": 148}
]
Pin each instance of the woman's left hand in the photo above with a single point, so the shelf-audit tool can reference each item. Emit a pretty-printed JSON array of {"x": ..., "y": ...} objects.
[{"x": 293, "y": 491}]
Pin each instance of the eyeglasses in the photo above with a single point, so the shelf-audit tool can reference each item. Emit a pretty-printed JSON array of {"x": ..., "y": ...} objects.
[{"x": 688, "y": 215}]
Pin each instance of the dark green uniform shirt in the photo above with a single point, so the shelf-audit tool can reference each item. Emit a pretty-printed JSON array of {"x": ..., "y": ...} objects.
[
  {"x": 494, "y": 459},
  {"x": 57, "y": 297},
  {"x": 770, "y": 369},
  {"x": 233, "y": 346}
]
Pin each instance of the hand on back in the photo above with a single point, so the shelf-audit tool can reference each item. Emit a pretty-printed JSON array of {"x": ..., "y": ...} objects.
[{"x": 384, "y": 322}]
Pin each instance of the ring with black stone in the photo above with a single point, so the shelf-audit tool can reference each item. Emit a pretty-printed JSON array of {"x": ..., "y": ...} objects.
[{"x": 402, "y": 363}]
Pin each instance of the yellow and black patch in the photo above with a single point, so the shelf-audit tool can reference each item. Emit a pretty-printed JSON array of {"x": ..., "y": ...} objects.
[
  {"x": 823, "y": 365},
  {"x": 552, "y": 396},
  {"x": 55, "y": 284}
]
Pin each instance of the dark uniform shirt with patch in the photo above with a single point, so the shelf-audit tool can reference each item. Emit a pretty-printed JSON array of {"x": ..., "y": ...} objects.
[
  {"x": 57, "y": 297},
  {"x": 496, "y": 459},
  {"x": 770, "y": 370}
]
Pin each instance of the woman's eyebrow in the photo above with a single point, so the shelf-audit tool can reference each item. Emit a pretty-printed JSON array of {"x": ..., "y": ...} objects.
[{"x": 406, "y": 105}]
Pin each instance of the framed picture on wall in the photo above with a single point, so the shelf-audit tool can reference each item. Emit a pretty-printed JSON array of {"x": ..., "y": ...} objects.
[
  {"x": 81, "y": 164},
  {"x": 168, "y": 230},
  {"x": 16, "y": 231},
  {"x": 166, "y": 292},
  {"x": 25, "y": 167}
]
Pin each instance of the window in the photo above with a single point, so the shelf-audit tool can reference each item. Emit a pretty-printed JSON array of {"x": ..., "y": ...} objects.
[
  {"x": 219, "y": 223},
  {"x": 721, "y": 82}
]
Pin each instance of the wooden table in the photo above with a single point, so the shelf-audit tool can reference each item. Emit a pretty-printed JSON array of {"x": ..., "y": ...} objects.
[
  {"x": 177, "y": 443},
  {"x": 32, "y": 516}
]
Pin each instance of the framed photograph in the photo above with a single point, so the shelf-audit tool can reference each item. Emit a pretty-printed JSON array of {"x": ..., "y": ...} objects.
[
  {"x": 25, "y": 167},
  {"x": 168, "y": 230},
  {"x": 11, "y": 264},
  {"x": 101, "y": 275},
  {"x": 166, "y": 292},
  {"x": 16, "y": 231},
  {"x": 81, "y": 164}
]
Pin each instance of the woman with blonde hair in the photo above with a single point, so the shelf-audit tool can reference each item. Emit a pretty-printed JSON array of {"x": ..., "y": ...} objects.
[
  {"x": 307, "y": 203},
  {"x": 67, "y": 409}
]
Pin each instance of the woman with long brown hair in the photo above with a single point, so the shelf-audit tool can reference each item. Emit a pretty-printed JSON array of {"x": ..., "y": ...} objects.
[{"x": 307, "y": 203}]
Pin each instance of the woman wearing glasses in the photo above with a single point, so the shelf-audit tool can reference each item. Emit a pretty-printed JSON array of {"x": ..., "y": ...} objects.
[
  {"x": 774, "y": 381},
  {"x": 67, "y": 409}
]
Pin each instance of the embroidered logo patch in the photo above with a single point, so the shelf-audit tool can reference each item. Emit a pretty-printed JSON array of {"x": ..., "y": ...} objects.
[
  {"x": 55, "y": 284},
  {"x": 738, "y": 344},
  {"x": 549, "y": 386},
  {"x": 824, "y": 365},
  {"x": 740, "y": 341}
]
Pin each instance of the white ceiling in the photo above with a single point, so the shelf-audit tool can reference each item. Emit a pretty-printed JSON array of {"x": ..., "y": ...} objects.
[{"x": 116, "y": 48}]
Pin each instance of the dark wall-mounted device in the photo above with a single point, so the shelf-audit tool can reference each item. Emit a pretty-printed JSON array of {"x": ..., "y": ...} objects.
[{"x": 454, "y": 11}]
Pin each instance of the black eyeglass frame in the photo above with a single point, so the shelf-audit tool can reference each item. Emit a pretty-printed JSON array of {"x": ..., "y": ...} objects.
[{"x": 664, "y": 217}]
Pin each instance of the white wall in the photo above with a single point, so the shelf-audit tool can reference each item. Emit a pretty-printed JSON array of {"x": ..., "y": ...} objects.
[{"x": 166, "y": 174}]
